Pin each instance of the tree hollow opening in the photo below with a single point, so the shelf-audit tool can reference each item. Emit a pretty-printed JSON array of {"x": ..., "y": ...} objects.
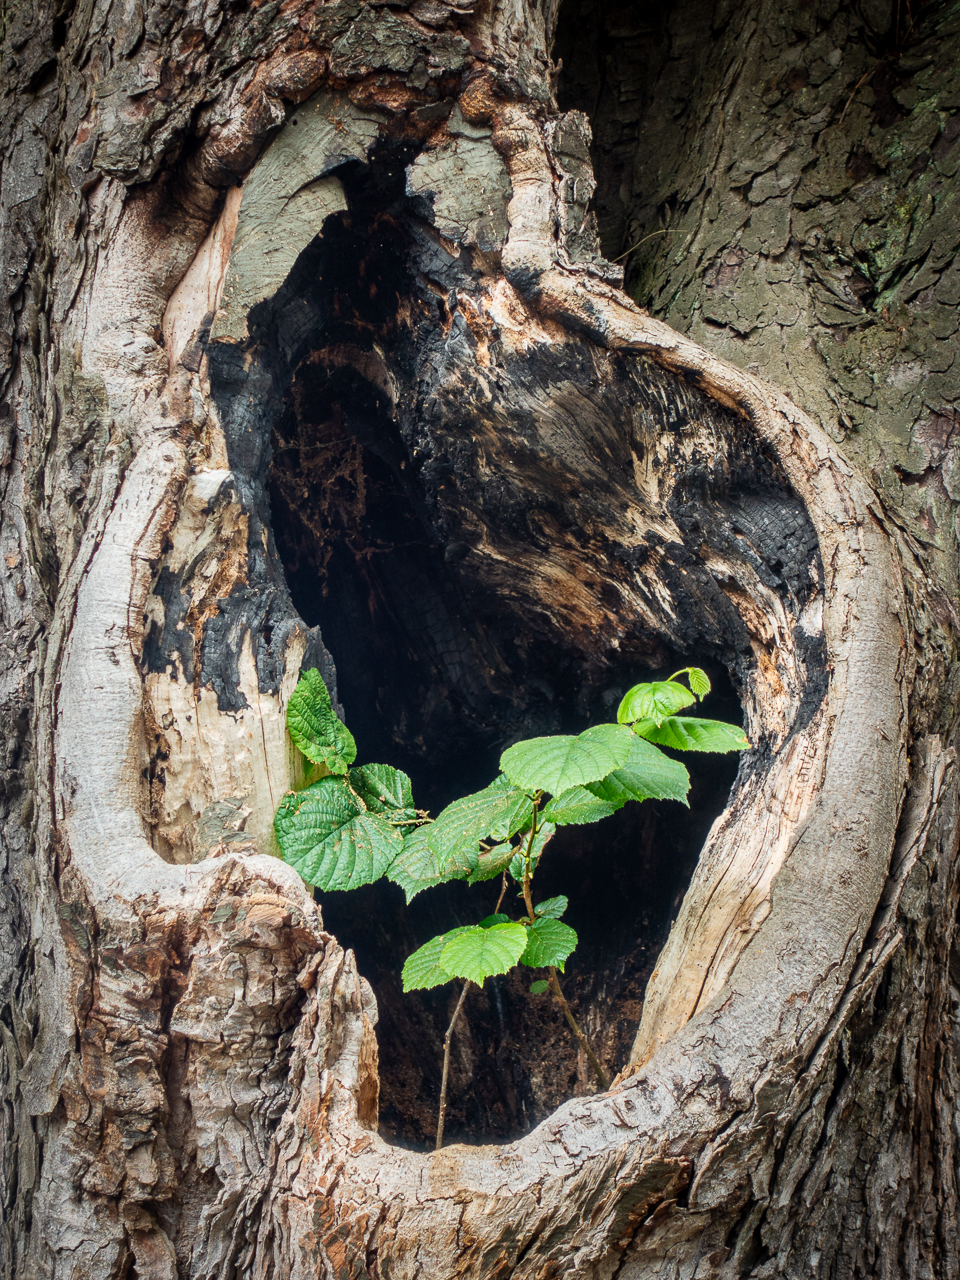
[
  {"x": 437, "y": 674},
  {"x": 496, "y": 537}
]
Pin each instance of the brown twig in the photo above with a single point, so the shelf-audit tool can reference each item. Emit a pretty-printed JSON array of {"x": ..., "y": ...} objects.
[
  {"x": 555, "y": 990},
  {"x": 446, "y": 1066},
  {"x": 572, "y": 1023},
  {"x": 527, "y": 869},
  {"x": 862, "y": 81},
  {"x": 503, "y": 890},
  {"x": 626, "y": 253}
]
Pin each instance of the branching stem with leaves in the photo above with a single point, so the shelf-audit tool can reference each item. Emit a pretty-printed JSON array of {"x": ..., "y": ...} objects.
[{"x": 356, "y": 824}]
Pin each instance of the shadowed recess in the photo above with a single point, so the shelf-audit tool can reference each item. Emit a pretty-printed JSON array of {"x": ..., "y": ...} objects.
[
  {"x": 486, "y": 567},
  {"x": 409, "y": 643}
]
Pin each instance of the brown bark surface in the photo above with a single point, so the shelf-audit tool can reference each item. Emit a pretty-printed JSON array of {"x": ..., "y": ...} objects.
[{"x": 311, "y": 293}]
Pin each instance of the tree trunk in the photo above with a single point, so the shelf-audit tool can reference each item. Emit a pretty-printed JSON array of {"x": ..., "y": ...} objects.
[{"x": 308, "y": 322}]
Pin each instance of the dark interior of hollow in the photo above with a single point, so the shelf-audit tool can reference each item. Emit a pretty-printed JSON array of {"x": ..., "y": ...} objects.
[
  {"x": 434, "y": 680},
  {"x": 514, "y": 1059}
]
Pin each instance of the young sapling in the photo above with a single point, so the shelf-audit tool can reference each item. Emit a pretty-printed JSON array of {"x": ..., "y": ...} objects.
[{"x": 348, "y": 826}]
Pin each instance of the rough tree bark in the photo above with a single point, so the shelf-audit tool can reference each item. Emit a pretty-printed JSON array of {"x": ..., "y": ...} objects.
[{"x": 318, "y": 224}]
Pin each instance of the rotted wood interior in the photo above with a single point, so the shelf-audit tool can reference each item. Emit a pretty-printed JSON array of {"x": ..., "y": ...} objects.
[{"x": 496, "y": 531}]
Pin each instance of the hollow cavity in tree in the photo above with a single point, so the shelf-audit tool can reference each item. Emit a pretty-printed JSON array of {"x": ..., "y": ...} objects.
[{"x": 499, "y": 299}]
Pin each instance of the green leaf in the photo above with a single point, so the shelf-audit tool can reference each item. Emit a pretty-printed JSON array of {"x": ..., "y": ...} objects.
[
  {"x": 449, "y": 849},
  {"x": 653, "y": 701},
  {"x": 384, "y": 790},
  {"x": 514, "y": 819},
  {"x": 539, "y": 841},
  {"x": 479, "y": 953},
  {"x": 690, "y": 733},
  {"x": 331, "y": 839},
  {"x": 423, "y": 970},
  {"x": 578, "y": 806},
  {"x": 417, "y": 865},
  {"x": 549, "y": 942},
  {"x": 558, "y": 763},
  {"x": 498, "y": 811},
  {"x": 493, "y": 863},
  {"x": 538, "y": 988},
  {"x": 552, "y": 908},
  {"x": 315, "y": 728},
  {"x": 647, "y": 775},
  {"x": 699, "y": 681}
]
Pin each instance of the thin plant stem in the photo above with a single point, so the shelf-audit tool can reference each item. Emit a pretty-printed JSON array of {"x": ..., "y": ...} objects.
[
  {"x": 528, "y": 869},
  {"x": 446, "y": 1066},
  {"x": 574, "y": 1026},
  {"x": 555, "y": 990},
  {"x": 503, "y": 890},
  {"x": 627, "y": 252},
  {"x": 863, "y": 80}
]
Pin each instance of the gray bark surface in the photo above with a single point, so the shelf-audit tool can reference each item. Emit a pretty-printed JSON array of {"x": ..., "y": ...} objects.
[
  {"x": 808, "y": 229},
  {"x": 189, "y": 1059}
]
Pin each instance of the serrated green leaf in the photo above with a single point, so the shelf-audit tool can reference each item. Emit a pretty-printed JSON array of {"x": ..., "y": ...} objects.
[
  {"x": 423, "y": 970},
  {"x": 549, "y": 942},
  {"x": 578, "y": 806},
  {"x": 449, "y": 849},
  {"x": 560, "y": 762},
  {"x": 455, "y": 836},
  {"x": 489, "y": 921},
  {"x": 653, "y": 701},
  {"x": 647, "y": 775},
  {"x": 492, "y": 863},
  {"x": 417, "y": 865},
  {"x": 552, "y": 908},
  {"x": 699, "y": 681},
  {"x": 477, "y": 953},
  {"x": 690, "y": 733},
  {"x": 515, "y": 819},
  {"x": 384, "y": 790},
  {"x": 331, "y": 839},
  {"x": 539, "y": 987},
  {"x": 315, "y": 728},
  {"x": 544, "y": 833}
]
